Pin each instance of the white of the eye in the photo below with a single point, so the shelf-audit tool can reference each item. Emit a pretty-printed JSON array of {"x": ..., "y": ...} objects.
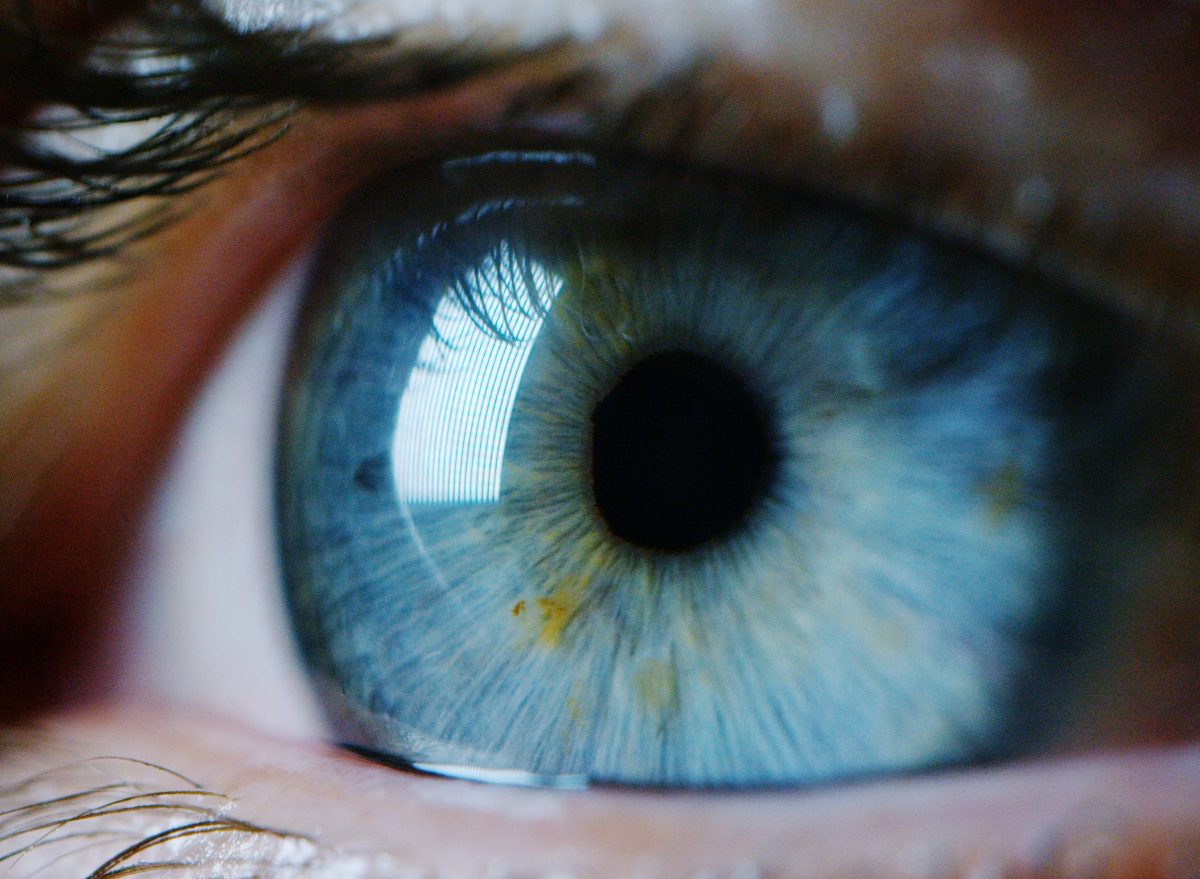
[{"x": 206, "y": 622}]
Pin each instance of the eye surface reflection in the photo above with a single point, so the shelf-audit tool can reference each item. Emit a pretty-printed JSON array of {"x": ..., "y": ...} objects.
[
  {"x": 947, "y": 443},
  {"x": 455, "y": 410}
]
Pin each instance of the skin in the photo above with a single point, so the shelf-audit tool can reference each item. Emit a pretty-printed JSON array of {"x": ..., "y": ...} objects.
[{"x": 1068, "y": 139}]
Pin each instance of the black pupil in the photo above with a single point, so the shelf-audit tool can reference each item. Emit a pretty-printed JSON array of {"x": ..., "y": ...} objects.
[{"x": 680, "y": 452}]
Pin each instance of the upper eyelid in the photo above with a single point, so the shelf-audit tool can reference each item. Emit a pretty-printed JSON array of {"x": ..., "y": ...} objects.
[
  {"x": 959, "y": 196},
  {"x": 721, "y": 110}
]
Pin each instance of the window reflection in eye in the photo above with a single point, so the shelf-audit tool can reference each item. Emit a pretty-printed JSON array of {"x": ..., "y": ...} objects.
[{"x": 839, "y": 109}]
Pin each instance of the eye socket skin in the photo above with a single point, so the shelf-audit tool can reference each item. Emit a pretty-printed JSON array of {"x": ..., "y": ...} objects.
[{"x": 125, "y": 389}]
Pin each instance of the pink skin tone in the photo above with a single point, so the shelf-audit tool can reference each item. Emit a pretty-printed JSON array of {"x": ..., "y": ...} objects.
[{"x": 1011, "y": 128}]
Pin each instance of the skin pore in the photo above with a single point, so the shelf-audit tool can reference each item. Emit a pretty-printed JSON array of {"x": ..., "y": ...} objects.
[{"x": 1066, "y": 139}]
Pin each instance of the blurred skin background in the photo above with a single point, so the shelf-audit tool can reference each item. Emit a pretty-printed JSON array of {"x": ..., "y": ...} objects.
[{"x": 139, "y": 613}]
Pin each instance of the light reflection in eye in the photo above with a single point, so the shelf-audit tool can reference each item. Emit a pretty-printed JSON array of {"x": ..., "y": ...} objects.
[{"x": 457, "y": 406}]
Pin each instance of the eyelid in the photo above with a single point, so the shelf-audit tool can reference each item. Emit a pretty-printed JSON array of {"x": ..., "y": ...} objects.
[
  {"x": 1071, "y": 153},
  {"x": 900, "y": 126},
  {"x": 976, "y": 130},
  {"x": 1062, "y": 204},
  {"x": 1124, "y": 816}
]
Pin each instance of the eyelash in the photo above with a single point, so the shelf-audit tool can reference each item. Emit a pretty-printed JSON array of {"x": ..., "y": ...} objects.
[
  {"x": 213, "y": 95},
  {"x": 64, "y": 211},
  {"x": 59, "y": 210}
]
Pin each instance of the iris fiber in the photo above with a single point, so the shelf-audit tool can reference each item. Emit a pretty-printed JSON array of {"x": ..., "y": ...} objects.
[{"x": 780, "y": 487}]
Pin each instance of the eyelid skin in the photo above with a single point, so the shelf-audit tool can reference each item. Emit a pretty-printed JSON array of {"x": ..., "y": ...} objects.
[
  {"x": 1129, "y": 816},
  {"x": 102, "y": 420},
  {"x": 1065, "y": 136}
]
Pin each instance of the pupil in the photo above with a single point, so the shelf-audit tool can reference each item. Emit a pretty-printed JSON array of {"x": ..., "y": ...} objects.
[{"x": 679, "y": 452}]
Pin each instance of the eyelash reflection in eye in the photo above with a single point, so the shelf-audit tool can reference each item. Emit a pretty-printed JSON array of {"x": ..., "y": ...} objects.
[{"x": 592, "y": 467}]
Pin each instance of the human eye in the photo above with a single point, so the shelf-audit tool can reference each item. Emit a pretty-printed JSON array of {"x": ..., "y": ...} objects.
[
  {"x": 591, "y": 468},
  {"x": 654, "y": 132}
]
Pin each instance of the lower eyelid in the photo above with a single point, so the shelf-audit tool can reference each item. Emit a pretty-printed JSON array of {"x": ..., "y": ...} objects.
[{"x": 1132, "y": 816}]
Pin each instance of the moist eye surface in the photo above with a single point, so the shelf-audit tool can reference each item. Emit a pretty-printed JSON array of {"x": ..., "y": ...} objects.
[{"x": 596, "y": 468}]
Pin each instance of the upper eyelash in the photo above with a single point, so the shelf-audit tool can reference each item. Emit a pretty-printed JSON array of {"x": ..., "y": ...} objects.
[
  {"x": 213, "y": 94},
  {"x": 57, "y": 211}
]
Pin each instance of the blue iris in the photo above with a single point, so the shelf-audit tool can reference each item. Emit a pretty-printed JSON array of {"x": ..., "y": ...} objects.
[{"x": 594, "y": 468}]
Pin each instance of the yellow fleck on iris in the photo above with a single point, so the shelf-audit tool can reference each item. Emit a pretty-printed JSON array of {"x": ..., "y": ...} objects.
[
  {"x": 518, "y": 607},
  {"x": 573, "y": 710},
  {"x": 575, "y": 717},
  {"x": 1002, "y": 491},
  {"x": 656, "y": 686},
  {"x": 557, "y": 609},
  {"x": 893, "y": 637}
]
